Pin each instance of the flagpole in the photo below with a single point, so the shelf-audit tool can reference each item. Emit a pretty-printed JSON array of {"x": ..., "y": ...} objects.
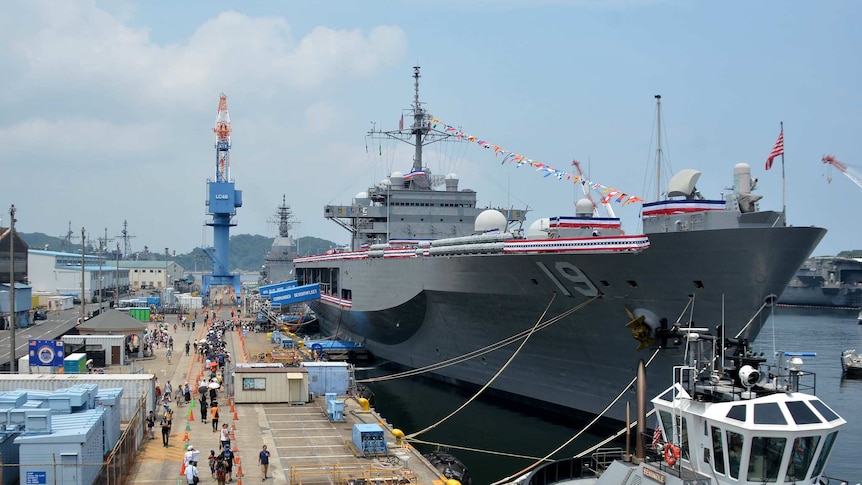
[{"x": 783, "y": 182}]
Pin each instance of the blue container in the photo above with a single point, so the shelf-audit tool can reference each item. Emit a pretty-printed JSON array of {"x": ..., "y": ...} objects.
[{"x": 369, "y": 439}]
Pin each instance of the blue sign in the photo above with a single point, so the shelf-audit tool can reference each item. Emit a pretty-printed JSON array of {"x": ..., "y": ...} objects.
[
  {"x": 266, "y": 290},
  {"x": 47, "y": 353},
  {"x": 296, "y": 295},
  {"x": 35, "y": 478}
]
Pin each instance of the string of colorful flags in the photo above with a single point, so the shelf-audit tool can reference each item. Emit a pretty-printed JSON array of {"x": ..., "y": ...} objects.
[{"x": 608, "y": 193}]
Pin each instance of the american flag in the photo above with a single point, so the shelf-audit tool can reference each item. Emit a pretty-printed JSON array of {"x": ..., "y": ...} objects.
[
  {"x": 656, "y": 436},
  {"x": 778, "y": 149}
]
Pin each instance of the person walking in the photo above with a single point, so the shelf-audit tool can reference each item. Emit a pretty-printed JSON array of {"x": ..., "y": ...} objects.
[
  {"x": 214, "y": 415},
  {"x": 192, "y": 473},
  {"x": 169, "y": 353},
  {"x": 203, "y": 402},
  {"x": 188, "y": 347},
  {"x": 168, "y": 387},
  {"x": 224, "y": 436},
  {"x": 166, "y": 430},
  {"x": 226, "y": 455},
  {"x": 191, "y": 455},
  {"x": 213, "y": 459},
  {"x": 263, "y": 460},
  {"x": 151, "y": 423}
]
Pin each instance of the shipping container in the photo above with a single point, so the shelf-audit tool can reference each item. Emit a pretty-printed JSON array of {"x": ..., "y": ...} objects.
[
  {"x": 75, "y": 364},
  {"x": 135, "y": 386}
]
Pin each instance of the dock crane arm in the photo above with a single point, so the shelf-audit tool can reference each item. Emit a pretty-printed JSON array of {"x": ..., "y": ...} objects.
[{"x": 851, "y": 173}]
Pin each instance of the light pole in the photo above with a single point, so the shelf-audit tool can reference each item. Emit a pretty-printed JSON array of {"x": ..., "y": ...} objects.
[
  {"x": 117, "y": 280},
  {"x": 101, "y": 243},
  {"x": 83, "y": 286},
  {"x": 12, "y": 362},
  {"x": 165, "y": 293}
]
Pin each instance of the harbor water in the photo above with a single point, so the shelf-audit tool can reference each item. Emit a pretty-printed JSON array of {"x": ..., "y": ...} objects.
[{"x": 520, "y": 433}]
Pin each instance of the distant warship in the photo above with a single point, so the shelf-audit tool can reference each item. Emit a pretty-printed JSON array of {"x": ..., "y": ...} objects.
[
  {"x": 826, "y": 281},
  {"x": 278, "y": 263}
]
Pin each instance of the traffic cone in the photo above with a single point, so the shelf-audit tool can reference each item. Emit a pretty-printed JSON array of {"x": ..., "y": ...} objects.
[
  {"x": 188, "y": 426},
  {"x": 239, "y": 471},
  {"x": 183, "y": 470},
  {"x": 232, "y": 407},
  {"x": 191, "y": 416},
  {"x": 238, "y": 480},
  {"x": 186, "y": 436},
  {"x": 235, "y": 417}
]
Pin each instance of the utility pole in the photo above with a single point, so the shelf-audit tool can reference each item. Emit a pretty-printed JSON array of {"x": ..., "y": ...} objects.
[
  {"x": 83, "y": 286},
  {"x": 117, "y": 279},
  {"x": 12, "y": 362},
  {"x": 102, "y": 244}
]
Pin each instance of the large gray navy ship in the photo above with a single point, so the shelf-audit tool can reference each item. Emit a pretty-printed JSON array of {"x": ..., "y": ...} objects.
[
  {"x": 826, "y": 281},
  {"x": 278, "y": 263},
  {"x": 433, "y": 279}
]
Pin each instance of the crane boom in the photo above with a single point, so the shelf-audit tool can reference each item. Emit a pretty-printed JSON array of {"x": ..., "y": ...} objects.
[
  {"x": 222, "y": 132},
  {"x": 842, "y": 167},
  {"x": 586, "y": 189}
]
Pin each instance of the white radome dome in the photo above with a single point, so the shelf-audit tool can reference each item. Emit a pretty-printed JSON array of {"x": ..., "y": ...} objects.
[
  {"x": 539, "y": 228},
  {"x": 362, "y": 195},
  {"x": 490, "y": 221},
  {"x": 584, "y": 207}
]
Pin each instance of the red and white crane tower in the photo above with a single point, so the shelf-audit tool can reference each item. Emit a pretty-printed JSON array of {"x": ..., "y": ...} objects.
[{"x": 842, "y": 167}]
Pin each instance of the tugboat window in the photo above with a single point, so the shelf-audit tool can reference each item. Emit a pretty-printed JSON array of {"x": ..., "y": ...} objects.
[
  {"x": 824, "y": 410},
  {"x": 765, "y": 458},
  {"x": 801, "y": 413},
  {"x": 717, "y": 451},
  {"x": 801, "y": 457},
  {"x": 768, "y": 413},
  {"x": 734, "y": 452},
  {"x": 737, "y": 413},
  {"x": 824, "y": 453}
]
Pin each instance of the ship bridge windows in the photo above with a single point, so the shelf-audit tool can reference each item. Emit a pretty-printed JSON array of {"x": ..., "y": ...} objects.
[
  {"x": 801, "y": 413},
  {"x": 768, "y": 413},
  {"x": 717, "y": 451},
  {"x": 801, "y": 457},
  {"x": 824, "y": 453},
  {"x": 824, "y": 410},
  {"x": 737, "y": 412},
  {"x": 735, "y": 442},
  {"x": 764, "y": 461}
]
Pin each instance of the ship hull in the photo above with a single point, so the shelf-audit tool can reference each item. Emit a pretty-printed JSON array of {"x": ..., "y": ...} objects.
[{"x": 425, "y": 310}]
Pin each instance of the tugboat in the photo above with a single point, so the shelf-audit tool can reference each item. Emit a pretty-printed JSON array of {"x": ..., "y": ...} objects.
[{"x": 745, "y": 423}]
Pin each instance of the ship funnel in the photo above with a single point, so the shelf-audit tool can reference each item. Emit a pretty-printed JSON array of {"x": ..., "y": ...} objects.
[{"x": 451, "y": 182}]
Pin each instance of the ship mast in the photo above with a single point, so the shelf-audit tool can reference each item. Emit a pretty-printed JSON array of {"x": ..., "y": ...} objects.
[
  {"x": 658, "y": 148},
  {"x": 419, "y": 128}
]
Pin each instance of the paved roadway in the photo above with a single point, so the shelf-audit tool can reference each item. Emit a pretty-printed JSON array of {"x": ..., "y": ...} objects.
[{"x": 52, "y": 328}]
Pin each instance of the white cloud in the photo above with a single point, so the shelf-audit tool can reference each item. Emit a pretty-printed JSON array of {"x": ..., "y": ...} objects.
[{"x": 89, "y": 94}]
